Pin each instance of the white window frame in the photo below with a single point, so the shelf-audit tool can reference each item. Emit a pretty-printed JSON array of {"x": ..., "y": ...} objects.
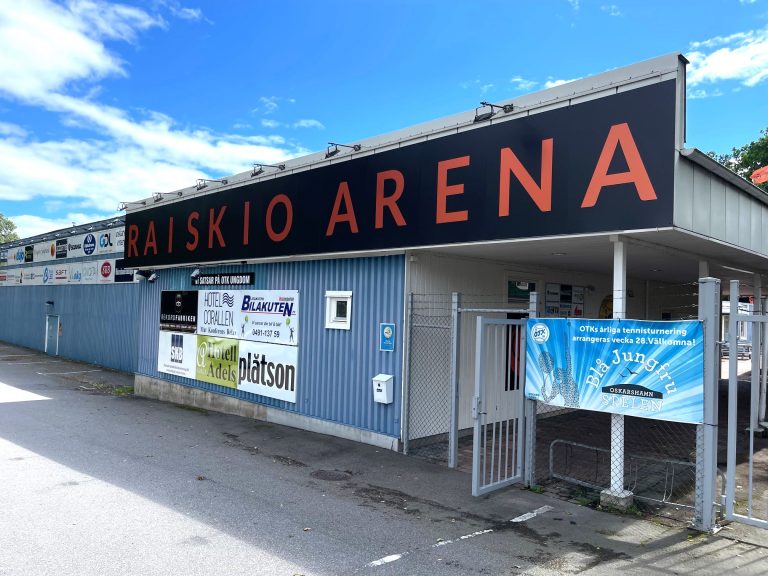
[{"x": 332, "y": 297}]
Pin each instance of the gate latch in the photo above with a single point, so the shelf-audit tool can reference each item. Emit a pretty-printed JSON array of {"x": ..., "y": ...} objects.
[{"x": 476, "y": 407}]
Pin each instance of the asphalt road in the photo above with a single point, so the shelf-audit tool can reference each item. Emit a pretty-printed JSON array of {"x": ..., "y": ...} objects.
[{"x": 93, "y": 482}]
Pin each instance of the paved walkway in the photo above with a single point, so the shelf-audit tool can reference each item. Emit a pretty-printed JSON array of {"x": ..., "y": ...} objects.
[{"x": 195, "y": 492}]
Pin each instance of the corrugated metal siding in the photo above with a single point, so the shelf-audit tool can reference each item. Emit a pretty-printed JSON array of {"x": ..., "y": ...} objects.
[
  {"x": 335, "y": 366},
  {"x": 98, "y": 321},
  {"x": 712, "y": 207}
]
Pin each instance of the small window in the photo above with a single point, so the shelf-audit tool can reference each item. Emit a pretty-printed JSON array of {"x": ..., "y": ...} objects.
[{"x": 338, "y": 310}]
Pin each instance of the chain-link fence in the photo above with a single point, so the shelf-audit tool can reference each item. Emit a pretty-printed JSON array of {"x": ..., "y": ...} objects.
[{"x": 428, "y": 410}]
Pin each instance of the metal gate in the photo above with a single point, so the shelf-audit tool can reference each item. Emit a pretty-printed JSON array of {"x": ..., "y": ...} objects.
[
  {"x": 498, "y": 404},
  {"x": 746, "y": 486}
]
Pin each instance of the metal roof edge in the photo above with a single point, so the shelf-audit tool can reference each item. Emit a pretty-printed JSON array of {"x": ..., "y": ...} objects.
[
  {"x": 710, "y": 164},
  {"x": 523, "y": 105}
]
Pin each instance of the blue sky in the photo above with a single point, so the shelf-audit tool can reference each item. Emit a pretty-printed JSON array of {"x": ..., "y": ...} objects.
[{"x": 103, "y": 102}]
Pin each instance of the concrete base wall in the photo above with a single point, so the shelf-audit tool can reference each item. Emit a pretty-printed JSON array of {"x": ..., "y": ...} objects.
[{"x": 156, "y": 389}]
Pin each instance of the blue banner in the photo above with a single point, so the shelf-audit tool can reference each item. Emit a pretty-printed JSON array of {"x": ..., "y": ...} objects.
[{"x": 631, "y": 367}]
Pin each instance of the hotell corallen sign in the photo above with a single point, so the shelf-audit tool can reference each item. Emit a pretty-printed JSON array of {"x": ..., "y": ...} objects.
[{"x": 598, "y": 166}]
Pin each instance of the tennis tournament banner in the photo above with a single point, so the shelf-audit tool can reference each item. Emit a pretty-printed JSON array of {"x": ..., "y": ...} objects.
[{"x": 631, "y": 367}]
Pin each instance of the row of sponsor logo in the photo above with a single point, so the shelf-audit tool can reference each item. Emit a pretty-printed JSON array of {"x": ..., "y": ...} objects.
[
  {"x": 258, "y": 367},
  {"x": 94, "y": 272},
  {"x": 254, "y": 315},
  {"x": 105, "y": 242}
]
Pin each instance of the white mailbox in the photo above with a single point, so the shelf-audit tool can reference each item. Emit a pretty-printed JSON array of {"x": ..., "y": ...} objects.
[{"x": 382, "y": 388}]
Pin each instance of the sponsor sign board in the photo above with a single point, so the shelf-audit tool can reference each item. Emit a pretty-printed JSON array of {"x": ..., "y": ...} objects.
[
  {"x": 631, "y": 367},
  {"x": 61, "y": 274},
  {"x": 268, "y": 370},
  {"x": 235, "y": 279},
  {"x": 217, "y": 314},
  {"x": 106, "y": 271},
  {"x": 600, "y": 165},
  {"x": 178, "y": 311},
  {"x": 387, "y": 337},
  {"x": 89, "y": 244},
  {"x": 107, "y": 242},
  {"x": 177, "y": 353},
  {"x": 61, "y": 248},
  {"x": 217, "y": 361},
  {"x": 268, "y": 316},
  {"x": 29, "y": 253}
]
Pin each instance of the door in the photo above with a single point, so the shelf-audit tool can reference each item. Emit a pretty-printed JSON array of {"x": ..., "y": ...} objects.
[
  {"x": 52, "y": 335},
  {"x": 497, "y": 408}
]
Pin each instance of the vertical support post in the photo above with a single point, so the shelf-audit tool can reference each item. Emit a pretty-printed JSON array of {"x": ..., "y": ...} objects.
[
  {"x": 529, "y": 467},
  {"x": 757, "y": 347},
  {"x": 763, "y": 352},
  {"x": 453, "y": 433},
  {"x": 733, "y": 351},
  {"x": 706, "y": 433},
  {"x": 406, "y": 412},
  {"x": 703, "y": 269},
  {"x": 616, "y": 495},
  {"x": 533, "y": 304}
]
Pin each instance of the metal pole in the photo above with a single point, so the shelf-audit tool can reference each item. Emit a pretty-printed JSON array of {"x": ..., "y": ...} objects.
[
  {"x": 453, "y": 433},
  {"x": 706, "y": 433},
  {"x": 616, "y": 495},
  {"x": 733, "y": 360},
  {"x": 406, "y": 413},
  {"x": 529, "y": 468}
]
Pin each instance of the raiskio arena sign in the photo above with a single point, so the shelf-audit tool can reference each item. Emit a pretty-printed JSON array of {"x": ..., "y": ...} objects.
[{"x": 602, "y": 165}]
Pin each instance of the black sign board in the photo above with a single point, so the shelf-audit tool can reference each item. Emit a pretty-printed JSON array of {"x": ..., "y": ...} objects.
[
  {"x": 29, "y": 253},
  {"x": 123, "y": 275},
  {"x": 233, "y": 279},
  {"x": 178, "y": 311},
  {"x": 61, "y": 248},
  {"x": 602, "y": 165}
]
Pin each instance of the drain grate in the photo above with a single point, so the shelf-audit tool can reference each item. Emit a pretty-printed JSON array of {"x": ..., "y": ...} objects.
[{"x": 331, "y": 475}]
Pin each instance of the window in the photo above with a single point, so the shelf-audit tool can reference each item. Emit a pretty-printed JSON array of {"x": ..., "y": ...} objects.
[{"x": 338, "y": 309}]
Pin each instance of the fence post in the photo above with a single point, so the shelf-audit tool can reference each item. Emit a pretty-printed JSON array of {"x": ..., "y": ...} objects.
[
  {"x": 706, "y": 433},
  {"x": 453, "y": 432},
  {"x": 406, "y": 412},
  {"x": 529, "y": 468}
]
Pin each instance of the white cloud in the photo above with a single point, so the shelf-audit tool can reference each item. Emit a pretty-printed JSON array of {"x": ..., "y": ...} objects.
[
  {"x": 521, "y": 83},
  {"x": 50, "y": 55},
  {"x": 309, "y": 123},
  {"x": 551, "y": 83},
  {"x": 485, "y": 88},
  {"x": 745, "y": 2},
  {"x": 8, "y": 129},
  {"x": 28, "y": 225},
  {"x": 270, "y": 123},
  {"x": 611, "y": 9},
  {"x": 699, "y": 93},
  {"x": 269, "y": 104},
  {"x": 574, "y": 4},
  {"x": 741, "y": 57}
]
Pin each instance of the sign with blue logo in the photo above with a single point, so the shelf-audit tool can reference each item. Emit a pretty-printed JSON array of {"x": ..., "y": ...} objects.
[
  {"x": 89, "y": 244},
  {"x": 632, "y": 367},
  {"x": 386, "y": 337}
]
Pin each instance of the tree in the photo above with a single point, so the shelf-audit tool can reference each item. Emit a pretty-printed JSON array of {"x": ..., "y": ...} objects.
[
  {"x": 7, "y": 230},
  {"x": 745, "y": 160}
]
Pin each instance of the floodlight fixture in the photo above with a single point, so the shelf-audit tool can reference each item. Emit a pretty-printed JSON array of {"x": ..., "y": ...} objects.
[
  {"x": 203, "y": 182},
  {"x": 259, "y": 168},
  {"x": 333, "y": 148},
  {"x": 195, "y": 273},
  {"x": 488, "y": 114}
]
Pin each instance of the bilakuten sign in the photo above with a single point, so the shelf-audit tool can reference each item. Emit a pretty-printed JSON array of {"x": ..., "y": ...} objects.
[{"x": 602, "y": 165}]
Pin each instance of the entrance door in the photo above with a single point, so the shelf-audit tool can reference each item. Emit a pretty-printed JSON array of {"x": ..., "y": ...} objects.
[
  {"x": 52, "y": 335},
  {"x": 497, "y": 408}
]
